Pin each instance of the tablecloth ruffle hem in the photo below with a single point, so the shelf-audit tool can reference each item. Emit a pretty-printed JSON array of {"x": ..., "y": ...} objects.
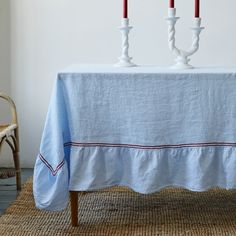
[{"x": 197, "y": 167}]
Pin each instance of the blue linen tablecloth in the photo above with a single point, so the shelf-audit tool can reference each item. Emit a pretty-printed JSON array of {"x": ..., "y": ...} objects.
[{"x": 146, "y": 128}]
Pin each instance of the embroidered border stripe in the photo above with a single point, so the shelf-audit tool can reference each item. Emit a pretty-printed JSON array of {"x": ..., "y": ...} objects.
[
  {"x": 156, "y": 147},
  {"x": 134, "y": 146},
  {"x": 54, "y": 172}
]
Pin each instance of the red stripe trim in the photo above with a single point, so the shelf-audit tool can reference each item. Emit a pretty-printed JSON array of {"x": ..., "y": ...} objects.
[
  {"x": 135, "y": 146},
  {"x": 54, "y": 172}
]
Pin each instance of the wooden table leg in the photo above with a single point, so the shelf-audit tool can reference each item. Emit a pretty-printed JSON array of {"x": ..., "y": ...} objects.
[{"x": 74, "y": 208}]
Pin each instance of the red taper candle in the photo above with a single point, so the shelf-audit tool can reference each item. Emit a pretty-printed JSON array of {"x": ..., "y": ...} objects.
[
  {"x": 197, "y": 8},
  {"x": 125, "y": 8},
  {"x": 172, "y": 3}
]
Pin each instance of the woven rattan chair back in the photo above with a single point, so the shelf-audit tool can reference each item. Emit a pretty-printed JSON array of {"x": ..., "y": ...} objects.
[{"x": 9, "y": 134}]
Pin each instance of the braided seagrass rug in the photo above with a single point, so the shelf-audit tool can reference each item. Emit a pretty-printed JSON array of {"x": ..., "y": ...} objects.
[{"x": 119, "y": 211}]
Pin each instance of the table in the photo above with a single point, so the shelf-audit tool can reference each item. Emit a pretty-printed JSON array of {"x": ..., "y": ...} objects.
[{"x": 146, "y": 128}]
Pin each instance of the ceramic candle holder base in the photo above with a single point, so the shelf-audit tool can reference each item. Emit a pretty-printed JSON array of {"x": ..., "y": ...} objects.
[
  {"x": 182, "y": 60},
  {"x": 125, "y": 59}
]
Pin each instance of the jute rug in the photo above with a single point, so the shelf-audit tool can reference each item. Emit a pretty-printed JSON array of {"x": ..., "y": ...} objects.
[{"x": 119, "y": 211}]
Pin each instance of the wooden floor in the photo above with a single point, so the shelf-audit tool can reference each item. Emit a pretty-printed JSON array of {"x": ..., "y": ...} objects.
[{"x": 8, "y": 191}]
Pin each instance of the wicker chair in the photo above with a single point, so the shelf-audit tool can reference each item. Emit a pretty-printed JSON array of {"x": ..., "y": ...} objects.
[{"x": 9, "y": 135}]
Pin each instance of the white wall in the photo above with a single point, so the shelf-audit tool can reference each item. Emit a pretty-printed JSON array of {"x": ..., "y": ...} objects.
[
  {"x": 5, "y": 46},
  {"x": 5, "y": 82},
  {"x": 48, "y": 35}
]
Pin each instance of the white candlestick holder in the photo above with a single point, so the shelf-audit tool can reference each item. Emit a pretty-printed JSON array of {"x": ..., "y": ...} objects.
[
  {"x": 125, "y": 59},
  {"x": 182, "y": 60}
]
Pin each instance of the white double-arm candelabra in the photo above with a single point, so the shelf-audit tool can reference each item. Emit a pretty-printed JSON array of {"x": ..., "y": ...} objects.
[
  {"x": 182, "y": 60},
  {"x": 125, "y": 59}
]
